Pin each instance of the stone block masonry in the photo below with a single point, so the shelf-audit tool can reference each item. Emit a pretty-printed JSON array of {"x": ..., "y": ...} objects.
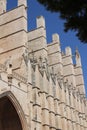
[{"x": 40, "y": 87}]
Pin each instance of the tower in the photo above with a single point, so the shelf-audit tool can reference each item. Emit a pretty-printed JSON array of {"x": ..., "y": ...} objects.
[{"x": 13, "y": 24}]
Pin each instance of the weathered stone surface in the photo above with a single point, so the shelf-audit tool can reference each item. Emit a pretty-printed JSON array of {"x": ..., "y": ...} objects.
[{"x": 40, "y": 88}]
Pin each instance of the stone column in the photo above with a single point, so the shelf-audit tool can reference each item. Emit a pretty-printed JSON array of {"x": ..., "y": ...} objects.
[
  {"x": 45, "y": 112},
  {"x": 36, "y": 99},
  {"x": 50, "y": 99},
  {"x": 58, "y": 121},
  {"x": 43, "y": 99}
]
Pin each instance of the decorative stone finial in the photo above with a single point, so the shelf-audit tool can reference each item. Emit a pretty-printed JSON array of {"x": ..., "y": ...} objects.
[
  {"x": 60, "y": 79},
  {"x": 26, "y": 56},
  {"x": 8, "y": 64},
  {"x": 55, "y": 38},
  {"x": 40, "y": 22},
  {"x": 77, "y": 53},
  {"x": 3, "y": 4},
  {"x": 53, "y": 75},
  {"x": 78, "y": 59},
  {"x": 68, "y": 51},
  {"x": 22, "y": 2},
  {"x": 41, "y": 65},
  {"x": 33, "y": 60}
]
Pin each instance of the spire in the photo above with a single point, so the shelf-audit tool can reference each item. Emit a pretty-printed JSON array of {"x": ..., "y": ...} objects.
[
  {"x": 78, "y": 59},
  {"x": 55, "y": 38},
  {"x": 68, "y": 51},
  {"x": 40, "y": 22},
  {"x": 79, "y": 73},
  {"x": 22, "y": 2},
  {"x": 3, "y": 6}
]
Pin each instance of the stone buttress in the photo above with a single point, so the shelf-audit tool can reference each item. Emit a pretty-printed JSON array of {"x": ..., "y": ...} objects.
[{"x": 45, "y": 87}]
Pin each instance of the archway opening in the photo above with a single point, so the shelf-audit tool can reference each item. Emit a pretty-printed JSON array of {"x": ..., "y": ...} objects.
[{"x": 9, "y": 119}]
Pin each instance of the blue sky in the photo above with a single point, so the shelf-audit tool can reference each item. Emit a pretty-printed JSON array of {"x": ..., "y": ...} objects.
[{"x": 54, "y": 25}]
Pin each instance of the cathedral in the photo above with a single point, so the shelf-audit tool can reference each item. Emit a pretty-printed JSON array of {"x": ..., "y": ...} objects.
[{"x": 40, "y": 86}]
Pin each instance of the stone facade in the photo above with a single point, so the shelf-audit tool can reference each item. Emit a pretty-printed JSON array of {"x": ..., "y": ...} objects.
[{"x": 40, "y": 87}]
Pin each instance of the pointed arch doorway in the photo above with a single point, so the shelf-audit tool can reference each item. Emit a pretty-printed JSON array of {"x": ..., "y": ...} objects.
[{"x": 11, "y": 114}]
